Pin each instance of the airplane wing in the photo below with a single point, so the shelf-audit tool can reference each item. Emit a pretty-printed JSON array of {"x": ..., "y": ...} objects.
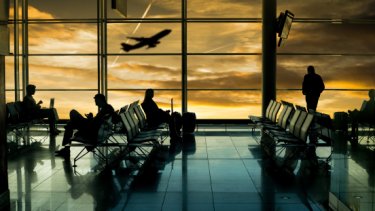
[
  {"x": 139, "y": 39},
  {"x": 161, "y": 34}
]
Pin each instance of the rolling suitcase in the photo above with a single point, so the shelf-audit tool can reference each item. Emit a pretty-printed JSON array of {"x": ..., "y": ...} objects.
[{"x": 188, "y": 122}]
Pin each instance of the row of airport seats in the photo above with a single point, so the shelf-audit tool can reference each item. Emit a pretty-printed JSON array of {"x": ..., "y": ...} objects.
[
  {"x": 18, "y": 127},
  {"x": 124, "y": 136},
  {"x": 365, "y": 129},
  {"x": 294, "y": 126}
]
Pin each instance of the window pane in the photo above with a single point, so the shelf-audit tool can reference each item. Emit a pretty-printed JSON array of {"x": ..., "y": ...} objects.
[
  {"x": 119, "y": 32},
  {"x": 11, "y": 37},
  {"x": 62, "y": 38},
  {"x": 330, "y": 101},
  {"x": 328, "y": 9},
  {"x": 9, "y": 96},
  {"x": 11, "y": 10},
  {"x": 338, "y": 72},
  {"x": 9, "y": 72},
  {"x": 224, "y": 37},
  {"x": 162, "y": 98},
  {"x": 142, "y": 72},
  {"x": 330, "y": 38},
  {"x": 10, "y": 77},
  {"x": 224, "y": 72},
  {"x": 148, "y": 9},
  {"x": 67, "y": 9},
  {"x": 224, "y": 104},
  {"x": 224, "y": 9},
  {"x": 63, "y": 72}
]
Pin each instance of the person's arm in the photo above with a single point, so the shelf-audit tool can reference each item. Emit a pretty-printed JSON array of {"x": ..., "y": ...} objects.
[
  {"x": 322, "y": 86},
  {"x": 30, "y": 105},
  {"x": 105, "y": 112}
]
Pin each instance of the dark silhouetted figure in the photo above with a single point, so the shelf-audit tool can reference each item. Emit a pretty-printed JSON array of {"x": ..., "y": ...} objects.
[
  {"x": 366, "y": 114},
  {"x": 312, "y": 87},
  {"x": 87, "y": 127},
  {"x": 155, "y": 116},
  {"x": 34, "y": 110}
]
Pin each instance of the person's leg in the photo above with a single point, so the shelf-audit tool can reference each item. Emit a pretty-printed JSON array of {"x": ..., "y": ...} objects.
[
  {"x": 308, "y": 102},
  {"x": 68, "y": 133},
  {"x": 312, "y": 101},
  {"x": 76, "y": 121}
]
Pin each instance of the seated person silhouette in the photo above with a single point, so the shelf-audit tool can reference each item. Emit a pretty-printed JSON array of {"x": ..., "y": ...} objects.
[
  {"x": 34, "y": 110},
  {"x": 366, "y": 114},
  {"x": 154, "y": 115},
  {"x": 87, "y": 127}
]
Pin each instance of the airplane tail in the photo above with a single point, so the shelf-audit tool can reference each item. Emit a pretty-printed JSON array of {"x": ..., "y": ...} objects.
[{"x": 126, "y": 47}]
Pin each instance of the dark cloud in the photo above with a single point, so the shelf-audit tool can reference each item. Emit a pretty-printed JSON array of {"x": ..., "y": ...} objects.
[
  {"x": 67, "y": 8},
  {"x": 330, "y": 38},
  {"x": 328, "y": 9}
]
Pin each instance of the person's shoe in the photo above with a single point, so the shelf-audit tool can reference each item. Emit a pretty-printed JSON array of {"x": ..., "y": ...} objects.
[{"x": 65, "y": 152}]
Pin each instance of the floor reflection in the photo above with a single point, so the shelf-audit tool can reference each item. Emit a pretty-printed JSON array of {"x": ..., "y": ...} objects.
[
  {"x": 222, "y": 169},
  {"x": 293, "y": 170}
]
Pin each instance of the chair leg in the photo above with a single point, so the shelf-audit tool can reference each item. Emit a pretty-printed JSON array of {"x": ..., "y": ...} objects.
[{"x": 79, "y": 156}]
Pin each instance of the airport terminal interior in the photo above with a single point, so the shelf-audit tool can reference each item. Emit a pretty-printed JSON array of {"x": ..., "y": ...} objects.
[{"x": 231, "y": 74}]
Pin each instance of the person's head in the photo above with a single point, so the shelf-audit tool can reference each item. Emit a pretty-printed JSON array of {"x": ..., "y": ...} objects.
[
  {"x": 371, "y": 93},
  {"x": 30, "y": 89},
  {"x": 310, "y": 69},
  {"x": 149, "y": 94},
  {"x": 100, "y": 100}
]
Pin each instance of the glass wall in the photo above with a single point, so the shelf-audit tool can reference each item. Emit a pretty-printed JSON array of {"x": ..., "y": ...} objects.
[
  {"x": 336, "y": 40},
  {"x": 73, "y": 49}
]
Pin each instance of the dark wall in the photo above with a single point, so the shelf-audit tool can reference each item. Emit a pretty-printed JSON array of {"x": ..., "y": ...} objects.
[{"x": 4, "y": 189}]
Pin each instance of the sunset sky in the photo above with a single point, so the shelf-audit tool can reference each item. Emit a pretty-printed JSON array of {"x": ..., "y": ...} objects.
[{"x": 352, "y": 68}]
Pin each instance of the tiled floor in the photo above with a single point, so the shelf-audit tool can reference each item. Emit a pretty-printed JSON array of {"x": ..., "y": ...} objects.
[{"x": 223, "y": 169}]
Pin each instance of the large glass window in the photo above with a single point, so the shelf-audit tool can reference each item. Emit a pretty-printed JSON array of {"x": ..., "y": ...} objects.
[
  {"x": 336, "y": 40},
  {"x": 74, "y": 47}
]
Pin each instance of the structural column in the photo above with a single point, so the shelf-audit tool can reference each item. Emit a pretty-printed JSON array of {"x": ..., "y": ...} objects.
[
  {"x": 184, "y": 57},
  {"x": 25, "y": 46},
  {"x": 16, "y": 52},
  {"x": 103, "y": 88},
  {"x": 268, "y": 53}
]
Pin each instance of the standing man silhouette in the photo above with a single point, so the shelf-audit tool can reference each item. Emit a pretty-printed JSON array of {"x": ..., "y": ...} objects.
[{"x": 312, "y": 87}]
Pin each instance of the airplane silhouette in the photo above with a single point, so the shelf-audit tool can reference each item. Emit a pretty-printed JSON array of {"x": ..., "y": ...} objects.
[{"x": 151, "y": 42}]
